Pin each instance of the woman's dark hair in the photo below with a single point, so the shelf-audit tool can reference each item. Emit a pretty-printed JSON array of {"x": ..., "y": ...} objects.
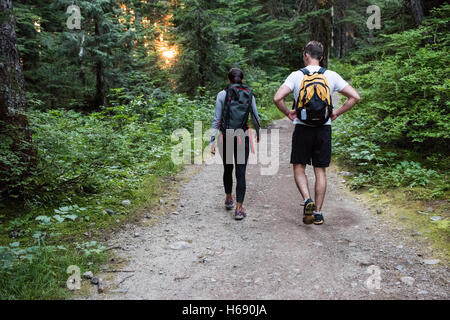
[{"x": 235, "y": 75}]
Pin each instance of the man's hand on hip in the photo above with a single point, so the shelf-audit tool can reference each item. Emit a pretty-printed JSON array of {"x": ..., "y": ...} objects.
[
  {"x": 292, "y": 115},
  {"x": 334, "y": 116},
  {"x": 352, "y": 99}
]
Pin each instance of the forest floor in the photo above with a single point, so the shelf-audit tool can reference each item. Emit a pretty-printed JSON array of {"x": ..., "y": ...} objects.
[{"x": 192, "y": 248}]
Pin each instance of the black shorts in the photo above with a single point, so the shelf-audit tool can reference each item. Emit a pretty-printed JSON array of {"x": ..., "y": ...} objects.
[{"x": 311, "y": 143}]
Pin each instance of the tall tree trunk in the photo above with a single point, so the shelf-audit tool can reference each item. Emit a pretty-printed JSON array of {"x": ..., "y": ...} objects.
[
  {"x": 100, "y": 97},
  {"x": 15, "y": 136},
  {"x": 80, "y": 61},
  {"x": 343, "y": 31},
  {"x": 417, "y": 11},
  {"x": 332, "y": 45},
  {"x": 200, "y": 48},
  {"x": 100, "y": 93},
  {"x": 320, "y": 29},
  {"x": 12, "y": 95}
]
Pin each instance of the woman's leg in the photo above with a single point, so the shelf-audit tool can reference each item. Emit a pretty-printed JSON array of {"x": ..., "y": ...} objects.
[
  {"x": 241, "y": 168},
  {"x": 228, "y": 180},
  {"x": 227, "y": 169}
]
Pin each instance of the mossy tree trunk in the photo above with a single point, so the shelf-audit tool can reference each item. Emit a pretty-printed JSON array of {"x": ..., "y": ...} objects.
[{"x": 16, "y": 152}]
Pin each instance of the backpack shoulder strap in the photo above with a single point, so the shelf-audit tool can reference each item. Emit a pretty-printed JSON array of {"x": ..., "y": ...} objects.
[
  {"x": 322, "y": 70},
  {"x": 305, "y": 71},
  {"x": 250, "y": 90},
  {"x": 295, "y": 104},
  {"x": 227, "y": 94},
  {"x": 225, "y": 117}
]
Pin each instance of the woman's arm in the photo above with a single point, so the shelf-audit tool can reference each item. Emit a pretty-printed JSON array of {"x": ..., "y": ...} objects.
[
  {"x": 255, "y": 118},
  {"x": 217, "y": 115}
]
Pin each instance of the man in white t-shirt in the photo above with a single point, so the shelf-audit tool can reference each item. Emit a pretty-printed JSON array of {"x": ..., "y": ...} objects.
[{"x": 312, "y": 144}]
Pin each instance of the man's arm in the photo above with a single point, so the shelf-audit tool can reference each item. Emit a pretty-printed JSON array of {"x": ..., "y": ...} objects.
[
  {"x": 352, "y": 99},
  {"x": 279, "y": 100}
]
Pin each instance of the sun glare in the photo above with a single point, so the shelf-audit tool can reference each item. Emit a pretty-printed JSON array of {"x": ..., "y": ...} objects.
[
  {"x": 37, "y": 26},
  {"x": 167, "y": 52}
]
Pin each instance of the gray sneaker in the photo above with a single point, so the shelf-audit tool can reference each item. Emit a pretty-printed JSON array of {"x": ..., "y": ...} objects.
[
  {"x": 229, "y": 204},
  {"x": 240, "y": 214}
]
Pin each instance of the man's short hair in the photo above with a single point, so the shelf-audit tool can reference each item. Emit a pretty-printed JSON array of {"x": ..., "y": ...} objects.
[{"x": 314, "y": 49}]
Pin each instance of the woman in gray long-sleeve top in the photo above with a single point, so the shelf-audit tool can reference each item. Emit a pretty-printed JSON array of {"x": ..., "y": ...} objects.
[{"x": 235, "y": 77}]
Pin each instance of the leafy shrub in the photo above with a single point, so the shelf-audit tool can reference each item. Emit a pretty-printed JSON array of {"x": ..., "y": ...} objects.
[
  {"x": 39, "y": 271},
  {"x": 396, "y": 136},
  {"x": 264, "y": 89},
  {"x": 16, "y": 158},
  {"x": 409, "y": 173},
  {"x": 115, "y": 147},
  {"x": 405, "y": 95}
]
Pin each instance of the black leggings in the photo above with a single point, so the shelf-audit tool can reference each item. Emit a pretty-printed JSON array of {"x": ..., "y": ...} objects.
[{"x": 240, "y": 161}]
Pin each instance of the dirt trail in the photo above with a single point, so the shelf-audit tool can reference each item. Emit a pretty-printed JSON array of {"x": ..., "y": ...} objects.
[{"x": 271, "y": 254}]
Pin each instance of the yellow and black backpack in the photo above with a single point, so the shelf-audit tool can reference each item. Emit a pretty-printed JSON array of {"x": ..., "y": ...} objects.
[{"x": 314, "y": 106}]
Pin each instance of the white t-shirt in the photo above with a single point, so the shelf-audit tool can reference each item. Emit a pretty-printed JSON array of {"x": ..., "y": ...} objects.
[{"x": 294, "y": 80}]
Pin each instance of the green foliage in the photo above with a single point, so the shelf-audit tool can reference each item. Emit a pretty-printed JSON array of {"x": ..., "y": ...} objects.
[
  {"x": 39, "y": 272},
  {"x": 409, "y": 104},
  {"x": 398, "y": 131},
  {"x": 264, "y": 89},
  {"x": 386, "y": 167},
  {"x": 411, "y": 174},
  {"x": 14, "y": 158},
  {"x": 199, "y": 63},
  {"x": 341, "y": 66},
  {"x": 62, "y": 214},
  {"x": 63, "y": 67},
  {"x": 215, "y": 36},
  {"x": 115, "y": 147}
]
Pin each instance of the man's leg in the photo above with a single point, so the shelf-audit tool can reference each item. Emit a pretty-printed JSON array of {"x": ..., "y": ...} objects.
[
  {"x": 321, "y": 157},
  {"x": 320, "y": 187},
  {"x": 302, "y": 147},
  {"x": 302, "y": 184},
  {"x": 301, "y": 180}
]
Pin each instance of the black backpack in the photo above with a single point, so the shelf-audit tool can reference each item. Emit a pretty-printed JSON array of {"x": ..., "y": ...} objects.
[{"x": 237, "y": 107}]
